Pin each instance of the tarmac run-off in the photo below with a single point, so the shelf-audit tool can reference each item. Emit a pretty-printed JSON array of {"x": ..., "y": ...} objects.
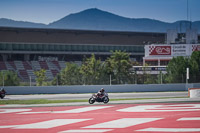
[{"x": 113, "y": 118}]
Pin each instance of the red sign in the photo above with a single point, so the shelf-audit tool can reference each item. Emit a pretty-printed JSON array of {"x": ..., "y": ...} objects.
[
  {"x": 195, "y": 47},
  {"x": 159, "y": 50}
]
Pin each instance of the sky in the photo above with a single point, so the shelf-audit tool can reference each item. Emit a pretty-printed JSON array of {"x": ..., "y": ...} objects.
[{"x": 48, "y": 11}]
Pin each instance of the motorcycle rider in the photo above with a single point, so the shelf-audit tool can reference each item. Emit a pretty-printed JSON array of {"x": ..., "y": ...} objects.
[
  {"x": 101, "y": 93},
  {"x": 2, "y": 93},
  {"x": 100, "y": 96}
]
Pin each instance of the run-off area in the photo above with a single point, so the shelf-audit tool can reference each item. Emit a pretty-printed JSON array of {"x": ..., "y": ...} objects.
[{"x": 121, "y": 118}]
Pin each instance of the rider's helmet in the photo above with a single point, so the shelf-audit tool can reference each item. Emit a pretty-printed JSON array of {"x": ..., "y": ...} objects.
[{"x": 102, "y": 90}]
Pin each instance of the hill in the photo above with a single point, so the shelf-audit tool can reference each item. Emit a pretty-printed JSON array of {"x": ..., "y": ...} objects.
[
  {"x": 95, "y": 19},
  {"x": 12, "y": 23}
]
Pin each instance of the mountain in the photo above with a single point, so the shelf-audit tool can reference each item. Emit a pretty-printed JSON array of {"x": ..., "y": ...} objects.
[
  {"x": 95, "y": 19},
  {"x": 92, "y": 19},
  {"x": 12, "y": 23}
]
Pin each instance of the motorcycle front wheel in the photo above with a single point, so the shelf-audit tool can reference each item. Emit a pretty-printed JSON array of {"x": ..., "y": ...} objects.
[
  {"x": 91, "y": 101},
  {"x": 2, "y": 96},
  {"x": 106, "y": 100}
]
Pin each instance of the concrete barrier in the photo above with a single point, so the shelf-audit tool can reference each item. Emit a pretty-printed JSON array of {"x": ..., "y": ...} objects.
[
  {"x": 18, "y": 90},
  {"x": 194, "y": 92}
]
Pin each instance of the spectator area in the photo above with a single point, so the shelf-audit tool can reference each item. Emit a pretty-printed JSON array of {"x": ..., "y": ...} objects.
[{"x": 25, "y": 69}]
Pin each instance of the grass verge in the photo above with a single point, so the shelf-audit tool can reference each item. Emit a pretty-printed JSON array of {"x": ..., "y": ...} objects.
[
  {"x": 38, "y": 101},
  {"x": 45, "y": 101}
]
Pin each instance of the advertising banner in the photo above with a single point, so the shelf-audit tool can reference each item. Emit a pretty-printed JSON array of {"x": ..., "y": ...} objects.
[
  {"x": 159, "y": 50},
  {"x": 171, "y": 50},
  {"x": 179, "y": 50}
]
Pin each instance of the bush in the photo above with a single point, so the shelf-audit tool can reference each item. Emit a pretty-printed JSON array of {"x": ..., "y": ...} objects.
[{"x": 9, "y": 78}]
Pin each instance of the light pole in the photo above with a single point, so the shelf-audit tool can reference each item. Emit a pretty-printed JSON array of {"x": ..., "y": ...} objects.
[
  {"x": 57, "y": 80},
  {"x": 30, "y": 80},
  {"x": 161, "y": 77},
  {"x": 110, "y": 80},
  {"x": 3, "y": 79},
  {"x": 187, "y": 75},
  {"x": 135, "y": 77},
  {"x": 133, "y": 73}
]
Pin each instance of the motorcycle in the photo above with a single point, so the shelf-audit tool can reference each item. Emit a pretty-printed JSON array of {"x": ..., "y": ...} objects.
[
  {"x": 2, "y": 93},
  {"x": 95, "y": 98}
]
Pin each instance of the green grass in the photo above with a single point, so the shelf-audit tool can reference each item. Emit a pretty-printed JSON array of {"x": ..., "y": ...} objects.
[
  {"x": 45, "y": 101},
  {"x": 38, "y": 101},
  {"x": 145, "y": 98}
]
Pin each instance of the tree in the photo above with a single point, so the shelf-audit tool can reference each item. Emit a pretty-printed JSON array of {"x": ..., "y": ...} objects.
[
  {"x": 91, "y": 70},
  {"x": 195, "y": 66},
  {"x": 10, "y": 78},
  {"x": 41, "y": 77},
  {"x": 57, "y": 79},
  {"x": 196, "y": 56},
  {"x": 176, "y": 69},
  {"x": 70, "y": 75},
  {"x": 118, "y": 66}
]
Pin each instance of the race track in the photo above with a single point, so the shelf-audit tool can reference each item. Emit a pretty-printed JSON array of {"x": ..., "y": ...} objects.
[
  {"x": 111, "y": 118},
  {"x": 86, "y": 96}
]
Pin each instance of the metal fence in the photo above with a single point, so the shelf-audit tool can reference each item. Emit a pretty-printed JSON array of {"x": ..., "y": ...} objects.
[
  {"x": 131, "y": 79},
  {"x": 114, "y": 80}
]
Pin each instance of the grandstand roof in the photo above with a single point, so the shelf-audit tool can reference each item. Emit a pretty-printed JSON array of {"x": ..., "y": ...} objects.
[{"x": 68, "y": 36}]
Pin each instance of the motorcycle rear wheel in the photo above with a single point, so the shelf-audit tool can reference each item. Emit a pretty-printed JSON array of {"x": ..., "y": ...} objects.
[{"x": 91, "y": 101}]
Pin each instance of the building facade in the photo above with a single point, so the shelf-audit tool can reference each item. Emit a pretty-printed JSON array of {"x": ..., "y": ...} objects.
[{"x": 25, "y": 50}]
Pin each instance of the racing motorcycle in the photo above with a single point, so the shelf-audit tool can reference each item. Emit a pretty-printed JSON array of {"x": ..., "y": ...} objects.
[
  {"x": 2, "y": 93},
  {"x": 95, "y": 98}
]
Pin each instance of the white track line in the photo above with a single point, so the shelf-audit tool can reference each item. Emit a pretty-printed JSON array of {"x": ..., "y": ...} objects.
[
  {"x": 123, "y": 123},
  {"x": 87, "y": 131},
  {"x": 2, "y": 111},
  {"x": 189, "y": 119},
  {"x": 46, "y": 124},
  {"x": 171, "y": 130},
  {"x": 77, "y": 110},
  {"x": 84, "y": 109},
  {"x": 42, "y": 112},
  {"x": 162, "y": 108}
]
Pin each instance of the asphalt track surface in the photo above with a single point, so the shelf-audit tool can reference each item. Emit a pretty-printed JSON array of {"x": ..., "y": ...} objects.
[
  {"x": 87, "y": 96},
  {"x": 101, "y": 118}
]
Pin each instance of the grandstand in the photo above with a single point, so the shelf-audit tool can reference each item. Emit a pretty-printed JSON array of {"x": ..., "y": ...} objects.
[{"x": 26, "y": 50}]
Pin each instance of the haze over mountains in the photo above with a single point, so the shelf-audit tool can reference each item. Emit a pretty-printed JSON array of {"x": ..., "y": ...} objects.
[{"x": 95, "y": 19}]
